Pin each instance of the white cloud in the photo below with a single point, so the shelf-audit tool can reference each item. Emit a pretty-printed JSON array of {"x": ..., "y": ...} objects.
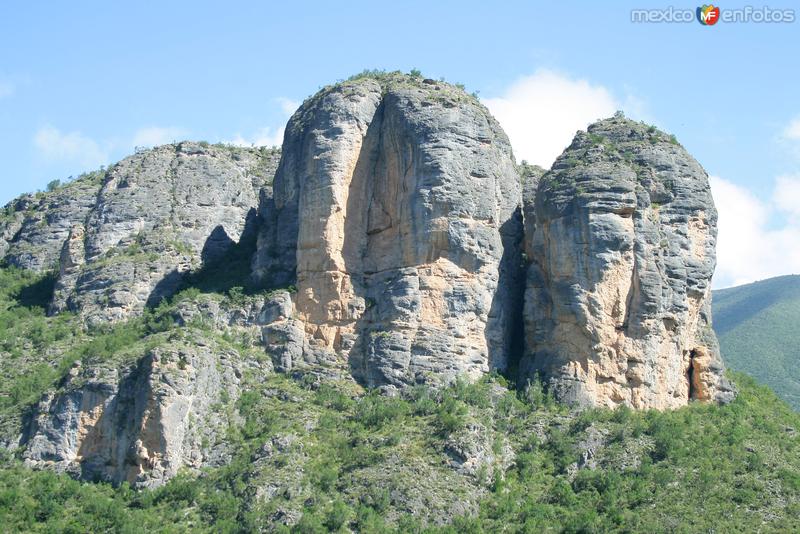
[
  {"x": 792, "y": 131},
  {"x": 72, "y": 147},
  {"x": 268, "y": 136},
  {"x": 156, "y": 135},
  {"x": 749, "y": 247},
  {"x": 786, "y": 195},
  {"x": 6, "y": 89},
  {"x": 541, "y": 113},
  {"x": 288, "y": 106},
  {"x": 263, "y": 137},
  {"x": 789, "y": 138}
]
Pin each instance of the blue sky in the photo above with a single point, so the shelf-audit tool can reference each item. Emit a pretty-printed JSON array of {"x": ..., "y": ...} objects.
[{"x": 81, "y": 83}]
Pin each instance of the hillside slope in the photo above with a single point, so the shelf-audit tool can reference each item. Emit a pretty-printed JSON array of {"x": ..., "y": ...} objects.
[
  {"x": 757, "y": 325},
  {"x": 304, "y": 453},
  {"x": 380, "y": 327},
  {"x": 301, "y": 452}
]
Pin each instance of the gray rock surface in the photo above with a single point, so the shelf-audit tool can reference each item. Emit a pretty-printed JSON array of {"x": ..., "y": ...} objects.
[
  {"x": 618, "y": 292},
  {"x": 475, "y": 451},
  {"x": 33, "y": 227},
  {"x": 144, "y": 422},
  {"x": 124, "y": 238},
  {"x": 159, "y": 214},
  {"x": 395, "y": 212},
  {"x": 418, "y": 252}
]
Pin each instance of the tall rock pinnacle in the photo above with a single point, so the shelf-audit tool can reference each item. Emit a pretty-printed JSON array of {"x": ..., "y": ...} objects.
[
  {"x": 396, "y": 206},
  {"x": 617, "y": 306}
]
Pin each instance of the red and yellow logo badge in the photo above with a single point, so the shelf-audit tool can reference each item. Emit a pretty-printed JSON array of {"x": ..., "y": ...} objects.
[{"x": 707, "y": 15}]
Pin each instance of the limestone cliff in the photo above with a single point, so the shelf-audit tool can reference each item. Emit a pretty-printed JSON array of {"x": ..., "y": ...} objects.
[
  {"x": 396, "y": 212},
  {"x": 34, "y": 227},
  {"x": 618, "y": 292},
  {"x": 142, "y": 419},
  {"x": 400, "y": 243},
  {"x": 125, "y": 238},
  {"x": 138, "y": 424}
]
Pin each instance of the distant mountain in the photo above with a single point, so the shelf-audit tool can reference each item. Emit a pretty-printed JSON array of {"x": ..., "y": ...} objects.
[{"x": 758, "y": 326}]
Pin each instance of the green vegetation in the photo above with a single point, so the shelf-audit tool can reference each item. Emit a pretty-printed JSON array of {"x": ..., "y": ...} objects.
[
  {"x": 597, "y": 139},
  {"x": 323, "y": 455},
  {"x": 757, "y": 326},
  {"x": 351, "y": 461},
  {"x": 613, "y": 148},
  {"x": 25, "y": 334},
  {"x": 448, "y": 94},
  {"x": 528, "y": 171},
  {"x": 36, "y": 350}
]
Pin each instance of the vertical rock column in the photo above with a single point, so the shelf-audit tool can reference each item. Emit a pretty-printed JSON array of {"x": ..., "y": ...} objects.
[
  {"x": 617, "y": 300},
  {"x": 399, "y": 199}
]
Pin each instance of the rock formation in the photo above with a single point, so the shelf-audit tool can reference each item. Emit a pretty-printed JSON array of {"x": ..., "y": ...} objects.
[
  {"x": 396, "y": 211},
  {"x": 618, "y": 292},
  {"x": 158, "y": 215},
  {"x": 142, "y": 423},
  {"x": 405, "y": 246},
  {"x": 169, "y": 409},
  {"x": 34, "y": 227}
]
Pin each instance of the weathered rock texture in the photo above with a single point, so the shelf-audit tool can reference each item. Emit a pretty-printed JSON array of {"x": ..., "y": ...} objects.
[
  {"x": 33, "y": 228},
  {"x": 396, "y": 213},
  {"x": 158, "y": 215},
  {"x": 143, "y": 422},
  {"x": 618, "y": 292},
  {"x": 124, "y": 238}
]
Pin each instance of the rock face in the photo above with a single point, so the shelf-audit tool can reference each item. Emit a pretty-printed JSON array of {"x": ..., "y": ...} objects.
[
  {"x": 142, "y": 423},
  {"x": 34, "y": 227},
  {"x": 125, "y": 238},
  {"x": 171, "y": 408},
  {"x": 396, "y": 214},
  {"x": 618, "y": 291},
  {"x": 158, "y": 215}
]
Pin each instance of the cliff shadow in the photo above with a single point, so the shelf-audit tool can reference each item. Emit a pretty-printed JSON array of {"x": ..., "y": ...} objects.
[
  {"x": 225, "y": 265},
  {"x": 274, "y": 261},
  {"x": 504, "y": 332},
  {"x": 369, "y": 165},
  {"x": 39, "y": 293}
]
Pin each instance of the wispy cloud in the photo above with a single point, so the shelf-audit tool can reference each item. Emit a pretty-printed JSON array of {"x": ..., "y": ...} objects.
[
  {"x": 71, "y": 147},
  {"x": 750, "y": 245},
  {"x": 263, "y": 137},
  {"x": 6, "y": 89},
  {"x": 786, "y": 196},
  {"x": 157, "y": 135},
  {"x": 792, "y": 130},
  {"x": 541, "y": 113},
  {"x": 758, "y": 238},
  {"x": 789, "y": 138},
  {"x": 268, "y": 135},
  {"x": 288, "y": 106}
]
